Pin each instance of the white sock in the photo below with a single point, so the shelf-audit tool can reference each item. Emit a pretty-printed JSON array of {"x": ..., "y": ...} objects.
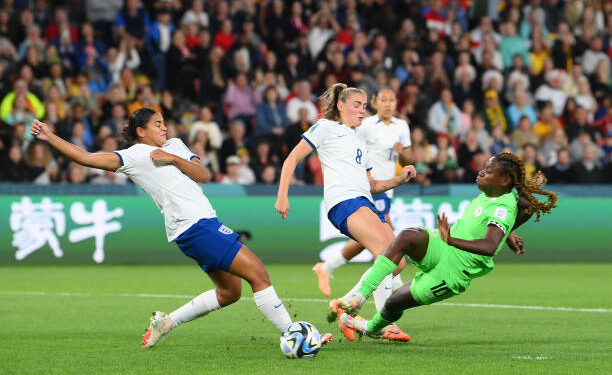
[
  {"x": 197, "y": 307},
  {"x": 334, "y": 262},
  {"x": 272, "y": 307},
  {"x": 358, "y": 285},
  {"x": 383, "y": 292},
  {"x": 397, "y": 282}
]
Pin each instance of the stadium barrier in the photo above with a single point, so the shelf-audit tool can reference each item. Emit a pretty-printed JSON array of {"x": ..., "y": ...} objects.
[{"x": 121, "y": 225}]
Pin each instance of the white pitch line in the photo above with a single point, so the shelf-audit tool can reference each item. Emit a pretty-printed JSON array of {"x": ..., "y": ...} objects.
[{"x": 315, "y": 300}]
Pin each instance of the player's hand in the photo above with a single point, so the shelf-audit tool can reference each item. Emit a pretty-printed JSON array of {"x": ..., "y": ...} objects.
[
  {"x": 282, "y": 206},
  {"x": 407, "y": 173},
  {"x": 443, "y": 227},
  {"x": 40, "y": 130},
  {"x": 515, "y": 243},
  {"x": 159, "y": 155}
]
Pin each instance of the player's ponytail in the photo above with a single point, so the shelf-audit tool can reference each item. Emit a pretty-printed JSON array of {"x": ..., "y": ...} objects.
[
  {"x": 329, "y": 100},
  {"x": 515, "y": 168},
  {"x": 138, "y": 119}
]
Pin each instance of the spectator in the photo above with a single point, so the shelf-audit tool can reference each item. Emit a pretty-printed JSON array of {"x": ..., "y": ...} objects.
[
  {"x": 564, "y": 51},
  {"x": 580, "y": 144},
  {"x": 118, "y": 119},
  {"x": 520, "y": 108},
  {"x": 241, "y": 100},
  {"x": 585, "y": 98},
  {"x": 268, "y": 175},
  {"x": 144, "y": 98},
  {"x": 246, "y": 176},
  {"x": 531, "y": 159},
  {"x": 180, "y": 59},
  {"x": 14, "y": 169},
  {"x": 225, "y": 38},
  {"x": 42, "y": 167},
  {"x": 200, "y": 146},
  {"x": 561, "y": 171},
  {"x": 443, "y": 145},
  {"x": 61, "y": 24},
  {"x": 125, "y": 56},
  {"x": 500, "y": 141},
  {"x": 547, "y": 123},
  {"x": 468, "y": 150},
  {"x": 234, "y": 143},
  {"x": 444, "y": 116},
  {"x": 206, "y": 123},
  {"x": 20, "y": 88},
  {"x": 133, "y": 20},
  {"x": 233, "y": 166},
  {"x": 549, "y": 150},
  {"x": 493, "y": 112},
  {"x": 196, "y": 15},
  {"x": 581, "y": 121},
  {"x": 263, "y": 158},
  {"x": 593, "y": 56},
  {"x": 271, "y": 117},
  {"x": 513, "y": 44},
  {"x": 21, "y": 113},
  {"x": 302, "y": 99},
  {"x": 524, "y": 133},
  {"x": 158, "y": 41},
  {"x": 551, "y": 91},
  {"x": 588, "y": 169},
  {"x": 323, "y": 26}
]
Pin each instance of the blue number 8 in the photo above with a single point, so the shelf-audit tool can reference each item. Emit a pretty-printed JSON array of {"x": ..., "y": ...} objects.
[{"x": 358, "y": 157}]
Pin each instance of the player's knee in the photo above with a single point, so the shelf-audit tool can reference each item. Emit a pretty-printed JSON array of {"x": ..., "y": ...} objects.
[
  {"x": 410, "y": 237},
  {"x": 227, "y": 296},
  {"x": 259, "y": 278}
]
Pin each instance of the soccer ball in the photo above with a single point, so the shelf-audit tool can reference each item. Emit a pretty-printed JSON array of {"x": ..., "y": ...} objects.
[{"x": 300, "y": 340}]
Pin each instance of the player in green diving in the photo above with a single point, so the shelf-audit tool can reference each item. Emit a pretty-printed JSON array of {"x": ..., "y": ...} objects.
[{"x": 450, "y": 257}]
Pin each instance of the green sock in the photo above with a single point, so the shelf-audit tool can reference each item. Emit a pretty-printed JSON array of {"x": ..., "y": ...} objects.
[
  {"x": 381, "y": 268},
  {"x": 377, "y": 323}
]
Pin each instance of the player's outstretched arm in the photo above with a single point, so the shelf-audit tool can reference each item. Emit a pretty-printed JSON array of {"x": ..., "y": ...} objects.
[
  {"x": 379, "y": 186},
  {"x": 103, "y": 160},
  {"x": 484, "y": 246},
  {"x": 296, "y": 155},
  {"x": 193, "y": 169}
]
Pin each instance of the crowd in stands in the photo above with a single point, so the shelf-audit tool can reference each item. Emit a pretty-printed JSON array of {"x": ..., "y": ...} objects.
[{"x": 238, "y": 81}]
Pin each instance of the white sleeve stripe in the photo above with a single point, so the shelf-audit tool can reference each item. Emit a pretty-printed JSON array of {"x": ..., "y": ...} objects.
[{"x": 497, "y": 225}]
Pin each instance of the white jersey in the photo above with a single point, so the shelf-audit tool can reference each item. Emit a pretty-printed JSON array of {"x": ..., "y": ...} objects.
[
  {"x": 178, "y": 197},
  {"x": 379, "y": 139},
  {"x": 343, "y": 158}
]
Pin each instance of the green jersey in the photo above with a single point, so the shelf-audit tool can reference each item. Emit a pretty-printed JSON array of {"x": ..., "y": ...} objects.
[{"x": 478, "y": 215}]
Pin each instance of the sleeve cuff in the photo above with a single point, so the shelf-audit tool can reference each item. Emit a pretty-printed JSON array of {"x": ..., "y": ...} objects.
[
  {"x": 120, "y": 158},
  {"x": 310, "y": 143},
  {"x": 497, "y": 225}
]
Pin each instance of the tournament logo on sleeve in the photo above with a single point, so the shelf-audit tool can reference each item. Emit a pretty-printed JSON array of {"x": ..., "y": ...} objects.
[{"x": 500, "y": 213}]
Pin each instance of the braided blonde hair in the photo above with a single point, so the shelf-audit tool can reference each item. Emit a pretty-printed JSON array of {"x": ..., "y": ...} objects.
[{"x": 515, "y": 168}]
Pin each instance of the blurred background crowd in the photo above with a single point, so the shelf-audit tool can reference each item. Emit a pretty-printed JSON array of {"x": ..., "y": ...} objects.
[{"x": 238, "y": 81}]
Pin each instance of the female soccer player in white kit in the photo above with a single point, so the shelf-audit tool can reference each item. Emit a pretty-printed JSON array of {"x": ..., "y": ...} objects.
[
  {"x": 167, "y": 172},
  {"x": 387, "y": 139},
  {"x": 348, "y": 183}
]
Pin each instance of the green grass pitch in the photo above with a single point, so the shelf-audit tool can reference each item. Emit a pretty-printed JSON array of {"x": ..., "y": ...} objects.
[{"x": 520, "y": 319}]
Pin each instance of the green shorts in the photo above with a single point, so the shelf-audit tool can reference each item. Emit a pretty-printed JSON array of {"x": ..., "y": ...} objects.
[{"x": 442, "y": 275}]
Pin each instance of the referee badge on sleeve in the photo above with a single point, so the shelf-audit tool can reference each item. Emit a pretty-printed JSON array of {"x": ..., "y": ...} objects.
[{"x": 500, "y": 213}]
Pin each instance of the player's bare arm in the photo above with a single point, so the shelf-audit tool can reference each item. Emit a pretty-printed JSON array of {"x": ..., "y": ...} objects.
[
  {"x": 192, "y": 169},
  {"x": 484, "y": 246},
  {"x": 102, "y": 160},
  {"x": 380, "y": 186}
]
